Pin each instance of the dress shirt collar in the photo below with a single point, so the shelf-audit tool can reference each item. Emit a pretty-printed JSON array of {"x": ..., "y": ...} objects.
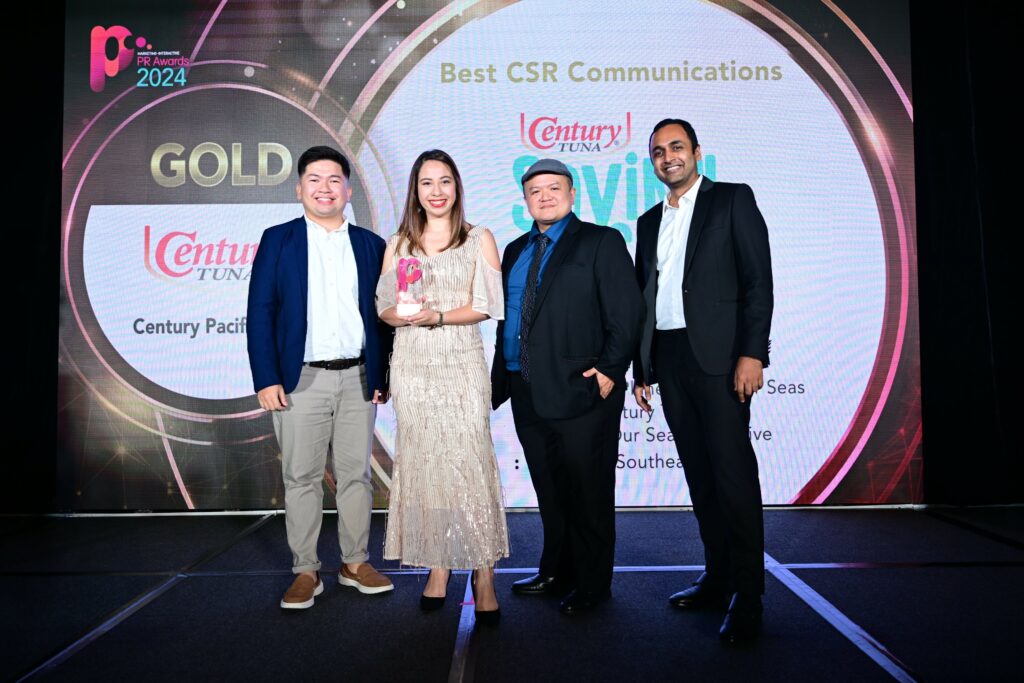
[
  {"x": 552, "y": 233},
  {"x": 314, "y": 229},
  {"x": 690, "y": 195}
]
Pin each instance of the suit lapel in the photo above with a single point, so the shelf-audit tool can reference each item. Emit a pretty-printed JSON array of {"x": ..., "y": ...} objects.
[
  {"x": 701, "y": 208},
  {"x": 562, "y": 249},
  {"x": 511, "y": 255},
  {"x": 363, "y": 277},
  {"x": 650, "y": 246},
  {"x": 300, "y": 255}
]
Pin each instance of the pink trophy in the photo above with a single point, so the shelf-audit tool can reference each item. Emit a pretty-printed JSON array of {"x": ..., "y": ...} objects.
[{"x": 410, "y": 287}]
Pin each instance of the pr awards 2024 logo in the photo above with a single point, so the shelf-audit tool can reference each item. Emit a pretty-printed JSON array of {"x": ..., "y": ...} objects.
[{"x": 164, "y": 68}]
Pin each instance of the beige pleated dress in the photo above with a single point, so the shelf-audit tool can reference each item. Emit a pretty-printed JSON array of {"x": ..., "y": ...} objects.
[{"x": 446, "y": 508}]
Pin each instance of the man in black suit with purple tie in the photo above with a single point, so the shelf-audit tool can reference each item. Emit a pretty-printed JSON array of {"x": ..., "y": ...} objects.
[{"x": 572, "y": 317}]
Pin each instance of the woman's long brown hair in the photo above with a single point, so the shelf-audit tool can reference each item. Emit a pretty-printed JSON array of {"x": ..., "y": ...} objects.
[{"x": 414, "y": 219}]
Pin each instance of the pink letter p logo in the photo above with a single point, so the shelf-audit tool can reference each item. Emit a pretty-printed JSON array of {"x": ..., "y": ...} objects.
[{"x": 100, "y": 67}]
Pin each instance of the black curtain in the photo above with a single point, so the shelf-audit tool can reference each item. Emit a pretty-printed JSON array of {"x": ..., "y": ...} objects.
[
  {"x": 33, "y": 84},
  {"x": 966, "y": 71}
]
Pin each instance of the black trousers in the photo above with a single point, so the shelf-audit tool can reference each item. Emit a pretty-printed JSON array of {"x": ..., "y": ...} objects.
[
  {"x": 572, "y": 465},
  {"x": 710, "y": 426}
]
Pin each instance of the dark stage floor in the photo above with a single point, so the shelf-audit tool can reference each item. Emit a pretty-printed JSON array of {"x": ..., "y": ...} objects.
[{"x": 852, "y": 595}]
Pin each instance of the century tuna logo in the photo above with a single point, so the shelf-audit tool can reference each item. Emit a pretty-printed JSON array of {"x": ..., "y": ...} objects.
[
  {"x": 565, "y": 135},
  {"x": 178, "y": 254}
]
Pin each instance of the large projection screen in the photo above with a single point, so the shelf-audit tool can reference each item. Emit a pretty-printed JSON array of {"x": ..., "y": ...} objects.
[{"x": 183, "y": 122}]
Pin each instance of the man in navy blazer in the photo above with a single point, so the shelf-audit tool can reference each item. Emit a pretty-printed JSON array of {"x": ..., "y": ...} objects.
[{"x": 319, "y": 358}]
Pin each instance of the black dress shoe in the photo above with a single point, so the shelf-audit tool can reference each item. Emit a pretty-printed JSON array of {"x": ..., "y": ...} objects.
[
  {"x": 489, "y": 617},
  {"x": 536, "y": 585},
  {"x": 579, "y": 601},
  {"x": 704, "y": 594},
  {"x": 432, "y": 604},
  {"x": 743, "y": 620}
]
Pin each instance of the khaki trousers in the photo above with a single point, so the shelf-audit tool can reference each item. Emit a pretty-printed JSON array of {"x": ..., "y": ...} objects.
[{"x": 327, "y": 412}]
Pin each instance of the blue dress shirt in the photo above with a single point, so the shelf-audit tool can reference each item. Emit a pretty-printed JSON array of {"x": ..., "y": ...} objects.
[{"x": 517, "y": 285}]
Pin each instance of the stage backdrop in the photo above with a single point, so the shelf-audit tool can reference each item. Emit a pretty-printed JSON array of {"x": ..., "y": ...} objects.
[{"x": 183, "y": 122}]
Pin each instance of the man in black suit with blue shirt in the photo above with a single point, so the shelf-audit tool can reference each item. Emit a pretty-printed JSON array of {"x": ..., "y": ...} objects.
[
  {"x": 704, "y": 265},
  {"x": 572, "y": 319}
]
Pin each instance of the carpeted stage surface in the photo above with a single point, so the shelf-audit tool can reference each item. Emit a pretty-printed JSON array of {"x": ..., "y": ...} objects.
[{"x": 852, "y": 595}]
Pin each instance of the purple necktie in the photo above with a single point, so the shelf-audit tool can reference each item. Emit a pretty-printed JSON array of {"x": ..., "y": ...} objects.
[{"x": 541, "y": 243}]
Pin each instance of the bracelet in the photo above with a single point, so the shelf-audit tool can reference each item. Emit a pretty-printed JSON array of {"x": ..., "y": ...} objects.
[{"x": 440, "y": 319}]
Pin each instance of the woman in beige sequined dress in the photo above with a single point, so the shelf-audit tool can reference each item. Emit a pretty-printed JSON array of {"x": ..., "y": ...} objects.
[{"x": 446, "y": 509}]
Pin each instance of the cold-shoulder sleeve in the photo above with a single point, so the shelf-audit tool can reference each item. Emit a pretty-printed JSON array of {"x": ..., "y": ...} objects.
[
  {"x": 488, "y": 297},
  {"x": 387, "y": 290}
]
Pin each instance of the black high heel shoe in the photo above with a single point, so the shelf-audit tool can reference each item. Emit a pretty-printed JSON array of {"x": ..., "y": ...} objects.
[
  {"x": 432, "y": 604},
  {"x": 484, "y": 617}
]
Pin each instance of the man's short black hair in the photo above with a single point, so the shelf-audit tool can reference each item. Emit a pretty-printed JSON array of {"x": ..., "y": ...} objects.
[
  {"x": 675, "y": 122},
  {"x": 321, "y": 152}
]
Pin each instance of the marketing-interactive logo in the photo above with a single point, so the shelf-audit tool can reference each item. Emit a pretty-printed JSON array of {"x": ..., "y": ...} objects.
[
  {"x": 102, "y": 67},
  {"x": 162, "y": 68},
  {"x": 562, "y": 134},
  {"x": 181, "y": 254}
]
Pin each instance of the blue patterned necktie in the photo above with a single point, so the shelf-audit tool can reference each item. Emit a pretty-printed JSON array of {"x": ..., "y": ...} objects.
[{"x": 541, "y": 243}]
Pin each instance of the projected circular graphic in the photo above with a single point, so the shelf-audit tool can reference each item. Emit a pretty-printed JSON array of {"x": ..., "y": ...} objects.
[
  {"x": 166, "y": 284},
  {"x": 761, "y": 118}
]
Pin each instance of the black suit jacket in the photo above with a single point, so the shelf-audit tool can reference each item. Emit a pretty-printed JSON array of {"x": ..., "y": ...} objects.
[
  {"x": 587, "y": 314},
  {"x": 727, "y": 280}
]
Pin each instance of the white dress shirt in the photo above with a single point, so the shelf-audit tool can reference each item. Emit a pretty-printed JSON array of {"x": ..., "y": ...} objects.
[
  {"x": 672, "y": 237},
  {"x": 334, "y": 328}
]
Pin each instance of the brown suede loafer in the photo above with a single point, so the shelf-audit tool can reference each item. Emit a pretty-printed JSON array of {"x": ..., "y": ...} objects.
[
  {"x": 366, "y": 579},
  {"x": 302, "y": 592}
]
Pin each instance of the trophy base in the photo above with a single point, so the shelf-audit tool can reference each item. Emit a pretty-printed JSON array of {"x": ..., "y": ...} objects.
[{"x": 405, "y": 310}]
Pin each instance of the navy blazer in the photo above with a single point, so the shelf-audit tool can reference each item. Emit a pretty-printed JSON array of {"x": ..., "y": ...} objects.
[{"x": 276, "y": 317}]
